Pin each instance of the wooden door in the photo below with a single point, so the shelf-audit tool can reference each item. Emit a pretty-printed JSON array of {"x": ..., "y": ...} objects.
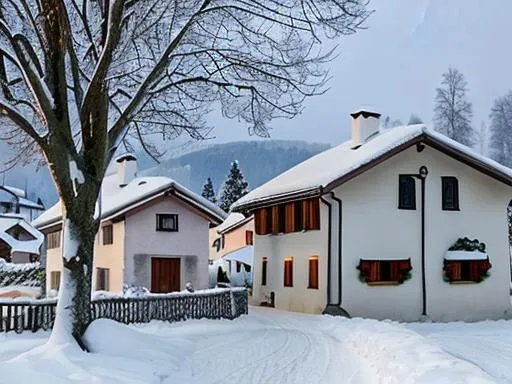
[{"x": 165, "y": 275}]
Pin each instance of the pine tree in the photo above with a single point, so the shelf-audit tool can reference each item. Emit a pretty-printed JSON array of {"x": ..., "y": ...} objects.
[
  {"x": 501, "y": 130},
  {"x": 208, "y": 192},
  {"x": 414, "y": 119},
  {"x": 234, "y": 187},
  {"x": 453, "y": 112}
]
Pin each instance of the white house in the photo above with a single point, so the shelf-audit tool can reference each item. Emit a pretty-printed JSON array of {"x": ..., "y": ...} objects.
[
  {"x": 19, "y": 241},
  {"x": 154, "y": 233},
  {"x": 14, "y": 200},
  {"x": 365, "y": 227}
]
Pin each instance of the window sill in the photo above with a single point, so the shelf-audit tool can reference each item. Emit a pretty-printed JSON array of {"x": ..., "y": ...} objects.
[
  {"x": 377, "y": 283},
  {"x": 166, "y": 230},
  {"x": 287, "y": 286},
  {"x": 451, "y": 209},
  {"x": 463, "y": 282},
  {"x": 315, "y": 288}
]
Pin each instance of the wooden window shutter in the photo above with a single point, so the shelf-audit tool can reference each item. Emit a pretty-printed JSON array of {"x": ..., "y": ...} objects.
[
  {"x": 275, "y": 219},
  {"x": 288, "y": 272},
  {"x": 299, "y": 225},
  {"x": 315, "y": 214},
  {"x": 474, "y": 271},
  {"x": 259, "y": 222},
  {"x": 289, "y": 218},
  {"x": 264, "y": 262},
  {"x": 374, "y": 274},
  {"x": 313, "y": 272},
  {"x": 395, "y": 271},
  {"x": 305, "y": 215},
  {"x": 249, "y": 238}
]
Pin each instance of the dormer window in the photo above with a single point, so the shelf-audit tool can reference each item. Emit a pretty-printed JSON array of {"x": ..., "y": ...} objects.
[
  {"x": 450, "y": 193},
  {"x": 406, "y": 192}
]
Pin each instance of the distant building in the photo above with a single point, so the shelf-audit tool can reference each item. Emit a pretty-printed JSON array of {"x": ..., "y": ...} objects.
[
  {"x": 14, "y": 200},
  {"x": 19, "y": 241}
]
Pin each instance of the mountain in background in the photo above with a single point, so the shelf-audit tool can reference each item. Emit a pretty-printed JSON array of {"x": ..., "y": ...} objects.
[{"x": 259, "y": 161}]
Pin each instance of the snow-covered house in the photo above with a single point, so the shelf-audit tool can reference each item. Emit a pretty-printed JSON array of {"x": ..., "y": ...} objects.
[
  {"x": 154, "y": 233},
  {"x": 19, "y": 241},
  {"x": 231, "y": 248},
  {"x": 366, "y": 227},
  {"x": 236, "y": 232},
  {"x": 14, "y": 200}
]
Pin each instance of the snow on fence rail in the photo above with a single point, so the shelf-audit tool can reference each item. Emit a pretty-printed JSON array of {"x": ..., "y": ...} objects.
[{"x": 32, "y": 315}]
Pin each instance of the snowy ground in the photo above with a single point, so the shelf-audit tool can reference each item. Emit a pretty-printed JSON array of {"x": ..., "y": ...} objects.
[{"x": 268, "y": 346}]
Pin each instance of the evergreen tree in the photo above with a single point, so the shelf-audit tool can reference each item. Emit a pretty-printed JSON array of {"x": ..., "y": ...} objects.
[
  {"x": 208, "y": 192},
  {"x": 452, "y": 111},
  {"x": 234, "y": 187},
  {"x": 501, "y": 130}
]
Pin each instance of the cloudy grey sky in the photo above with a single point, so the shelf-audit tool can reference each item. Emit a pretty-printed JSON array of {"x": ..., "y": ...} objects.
[{"x": 396, "y": 64}]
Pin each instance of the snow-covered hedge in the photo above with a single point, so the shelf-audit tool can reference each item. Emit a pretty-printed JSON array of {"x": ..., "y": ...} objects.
[{"x": 30, "y": 274}]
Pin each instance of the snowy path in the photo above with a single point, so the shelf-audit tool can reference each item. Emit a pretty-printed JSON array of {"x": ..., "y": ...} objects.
[
  {"x": 268, "y": 346},
  {"x": 485, "y": 344}
]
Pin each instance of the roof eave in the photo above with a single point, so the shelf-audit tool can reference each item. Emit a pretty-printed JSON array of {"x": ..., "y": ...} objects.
[
  {"x": 235, "y": 226},
  {"x": 277, "y": 199}
]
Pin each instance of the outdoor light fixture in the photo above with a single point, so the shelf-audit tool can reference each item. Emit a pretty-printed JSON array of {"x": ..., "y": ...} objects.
[{"x": 423, "y": 172}]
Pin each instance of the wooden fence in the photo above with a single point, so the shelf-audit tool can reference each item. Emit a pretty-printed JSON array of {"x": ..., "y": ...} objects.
[{"x": 33, "y": 315}]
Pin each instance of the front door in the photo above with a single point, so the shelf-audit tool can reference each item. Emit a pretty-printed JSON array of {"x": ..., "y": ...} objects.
[{"x": 165, "y": 274}]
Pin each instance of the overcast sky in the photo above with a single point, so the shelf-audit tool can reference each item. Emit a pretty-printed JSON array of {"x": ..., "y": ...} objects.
[{"x": 396, "y": 64}]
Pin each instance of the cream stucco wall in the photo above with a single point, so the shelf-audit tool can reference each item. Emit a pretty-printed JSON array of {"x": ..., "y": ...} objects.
[
  {"x": 111, "y": 256},
  {"x": 106, "y": 256},
  {"x": 233, "y": 240},
  {"x": 300, "y": 246},
  {"x": 373, "y": 227},
  {"x": 190, "y": 243}
]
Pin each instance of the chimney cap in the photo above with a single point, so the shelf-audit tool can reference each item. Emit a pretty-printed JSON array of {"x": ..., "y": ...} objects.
[
  {"x": 126, "y": 157},
  {"x": 365, "y": 112}
]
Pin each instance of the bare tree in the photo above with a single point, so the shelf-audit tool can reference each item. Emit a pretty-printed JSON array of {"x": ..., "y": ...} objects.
[
  {"x": 80, "y": 78},
  {"x": 414, "y": 119},
  {"x": 501, "y": 130},
  {"x": 452, "y": 111}
]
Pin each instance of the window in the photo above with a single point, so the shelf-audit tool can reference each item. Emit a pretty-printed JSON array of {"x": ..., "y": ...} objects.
[
  {"x": 55, "y": 280},
  {"x": 223, "y": 241},
  {"x": 288, "y": 217},
  {"x": 102, "y": 279},
  {"x": 264, "y": 262},
  {"x": 108, "y": 234},
  {"x": 450, "y": 193},
  {"x": 313, "y": 272},
  {"x": 288, "y": 272},
  {"x": 167, "y": 222},
  {"x": 466, "y": 271},
  {"x": 216, "y": 244},
  {"x": 384, "y": 272},
  {"x": 238, "y": 267},
  {"x": 406, "y": 192},
  {"x": 249, "y": 238},
  {"x": 53, "y": 239}
]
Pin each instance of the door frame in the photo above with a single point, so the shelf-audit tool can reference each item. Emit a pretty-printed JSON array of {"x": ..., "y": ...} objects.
[{"x": 150, "y": 268}]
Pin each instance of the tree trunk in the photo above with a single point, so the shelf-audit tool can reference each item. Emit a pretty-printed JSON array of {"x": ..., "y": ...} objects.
[{"x": 74, "y": 301}]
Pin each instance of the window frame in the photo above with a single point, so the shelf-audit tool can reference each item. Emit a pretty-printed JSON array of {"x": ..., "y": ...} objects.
[
  {"x": 445, "y": 205},
  {"x": 402, "y": 193},
  {"x": 249, "y": 237},
  {"x": 103, "y": 274},
  {"x": 264, "y": 271},
  {"x": 313, "y": 279},
  {"x": 109, "y": 239},
  {"x": 53, "y": 239},
  {"x": 159, "y": 220},
  {"x": 288, "y": 272},
  {"x": 396, "y": 271},
  {"x": 55, "y": 280}
]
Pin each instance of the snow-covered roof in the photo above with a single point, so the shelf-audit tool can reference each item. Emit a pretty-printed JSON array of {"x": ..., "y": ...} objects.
[
  {"x": 28, "y": 246},
  {"x": 465, "y": 255},
  {"x": 116, "y": 200},
  {"x": 243, "y": 255},
  {"x": 233, "y": 220},
  {"x": 319, "y": 173},
  {"x": 20, "y": 197}
]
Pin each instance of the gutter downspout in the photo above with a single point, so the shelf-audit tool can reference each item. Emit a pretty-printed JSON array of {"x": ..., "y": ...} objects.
[
  {"x": 338, "y": 200},
  {"x": 424, "y": 285},
  {"x": 329, "y": 241}
]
